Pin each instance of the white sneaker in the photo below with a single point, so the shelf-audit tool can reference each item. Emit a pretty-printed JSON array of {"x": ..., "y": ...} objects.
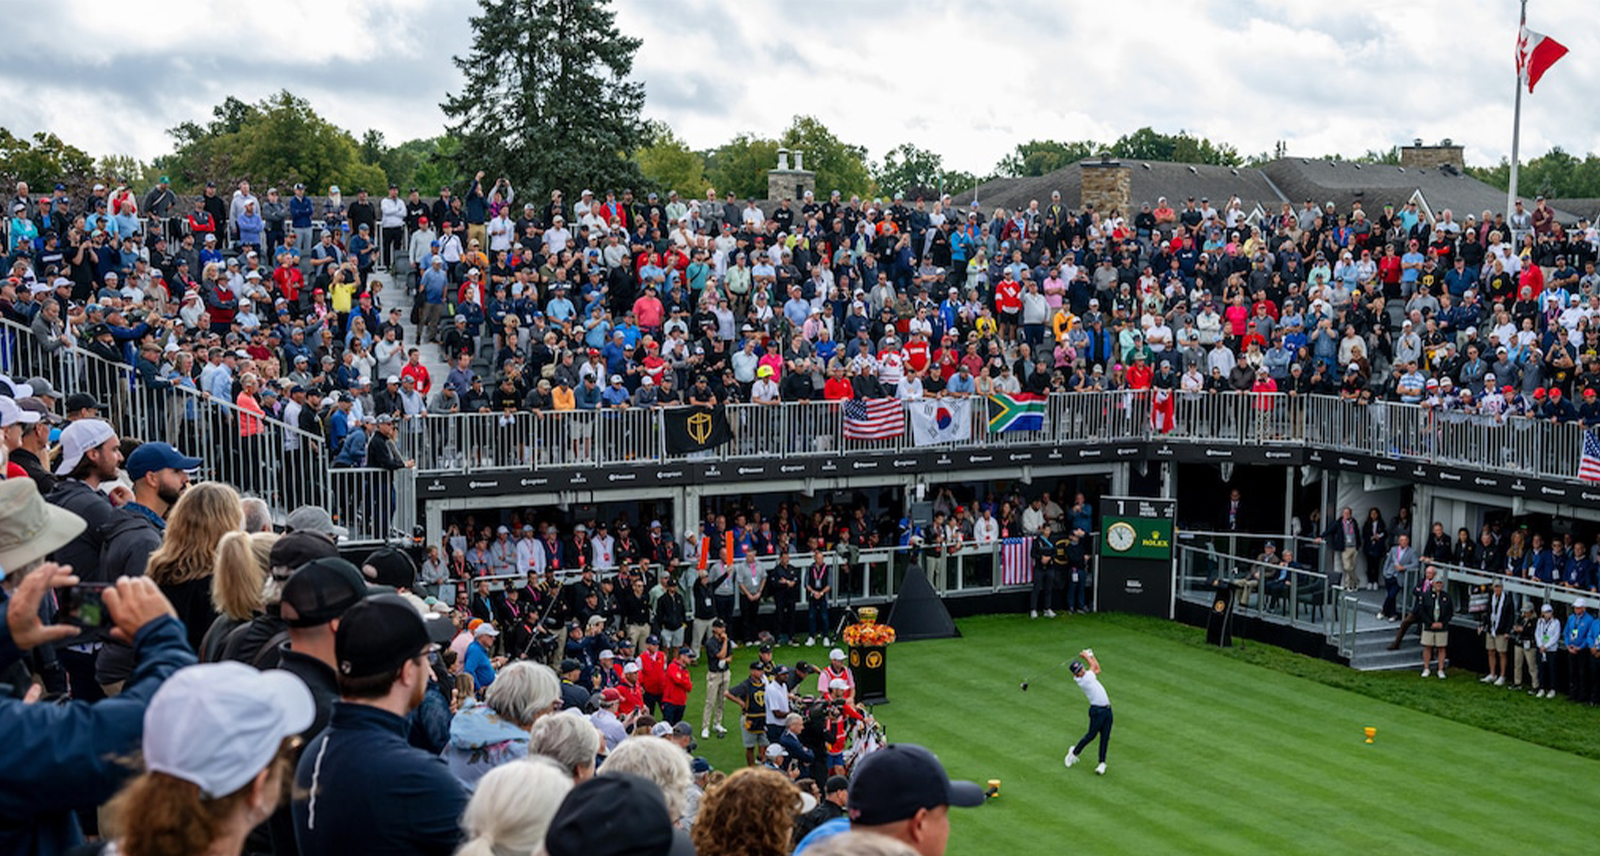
[
  {"x": 1100, "y": 770},
  {"x": 811, "y": 641},
  {"x": 1486, "y": 679},
  {"x": 1441, "y": 674},
  {"x": 1033, "y": 613},
  {"x": 705, "y": 734},
  {"x": 1500, "y": 681},
  {"x": 1424, "y": 673},
  {"x": 1072, "y": 758},
  {"x": 1550, "y": 694},
  {"x": 719, "y": 729},
  {"x": 1381, "y": 615},
  {"x": 1049, "y": 613}
]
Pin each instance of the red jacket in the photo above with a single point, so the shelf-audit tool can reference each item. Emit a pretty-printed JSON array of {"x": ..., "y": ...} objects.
[
  {"x": 632, "y": 699},
  {"x": 652, "y": 671},
  {"x": 678, "y": 685}
]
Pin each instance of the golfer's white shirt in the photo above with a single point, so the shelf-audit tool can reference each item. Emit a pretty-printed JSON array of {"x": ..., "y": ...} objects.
[{"x": 1089, "y": 682}]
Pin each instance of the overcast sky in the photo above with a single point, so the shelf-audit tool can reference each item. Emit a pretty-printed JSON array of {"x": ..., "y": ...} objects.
[{"x": 969, "y": 79}]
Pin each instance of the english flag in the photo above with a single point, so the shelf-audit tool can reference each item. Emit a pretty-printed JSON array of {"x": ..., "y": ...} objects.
[{"x": 1536, "y": 52}]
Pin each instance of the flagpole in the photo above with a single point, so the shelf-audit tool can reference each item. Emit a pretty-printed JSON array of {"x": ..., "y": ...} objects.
[{"x": 1516, "y": 117}]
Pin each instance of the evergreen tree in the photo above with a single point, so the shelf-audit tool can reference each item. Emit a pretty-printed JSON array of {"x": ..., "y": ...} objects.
[{"x": 547, "y": 102}]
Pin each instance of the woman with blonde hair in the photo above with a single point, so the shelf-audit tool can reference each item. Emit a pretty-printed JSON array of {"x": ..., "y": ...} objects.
[
  {"x": 238, "y": 586},
  {"x": 186, "y": 560},
  {"x": 217, "y": 768},
  {"x": 512, "y": 806},
  {"x": 750, "y": 814}
]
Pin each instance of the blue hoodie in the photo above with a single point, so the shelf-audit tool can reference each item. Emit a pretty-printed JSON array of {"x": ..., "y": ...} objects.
[{"x": 480, "y": 741}]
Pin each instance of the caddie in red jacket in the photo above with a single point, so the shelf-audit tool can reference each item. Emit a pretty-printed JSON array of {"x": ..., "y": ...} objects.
[
  {"x": 652, "y": 671},
  {"x": 675, "y": 695}
]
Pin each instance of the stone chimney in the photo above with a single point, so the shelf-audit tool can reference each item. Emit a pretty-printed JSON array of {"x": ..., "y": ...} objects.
[
  {"x": 1107, "y": 185},
  {"x": 1419, "y": 156},
  {"x": 789, "y": 183}
]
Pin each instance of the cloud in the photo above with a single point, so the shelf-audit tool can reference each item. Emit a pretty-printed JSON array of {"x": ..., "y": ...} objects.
[{"x": 969, "y": 79}]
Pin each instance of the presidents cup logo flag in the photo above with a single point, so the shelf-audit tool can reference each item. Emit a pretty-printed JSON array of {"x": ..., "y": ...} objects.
[
  {"x": 940, "y": 420},
  {"x": 695, "y": 429},
  {"x": 1020, "y": 411}
]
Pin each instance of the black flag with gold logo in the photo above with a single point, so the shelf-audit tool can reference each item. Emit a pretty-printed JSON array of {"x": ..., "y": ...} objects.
[{"x": 695, "y": 429}]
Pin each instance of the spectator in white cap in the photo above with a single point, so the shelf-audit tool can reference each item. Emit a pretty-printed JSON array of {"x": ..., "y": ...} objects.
[
  {"x": 217, "y": 743},
  {"x": 90, "y": 455},
  {"x": 479, "y": 662},
  {"x": 837, "y": 670}
]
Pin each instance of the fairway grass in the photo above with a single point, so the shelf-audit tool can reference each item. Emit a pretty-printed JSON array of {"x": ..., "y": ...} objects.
[{"x": 1213, "y": 751}]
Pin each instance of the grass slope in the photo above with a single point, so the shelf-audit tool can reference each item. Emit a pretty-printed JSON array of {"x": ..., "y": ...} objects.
[{"x": 1237, "y": 752}]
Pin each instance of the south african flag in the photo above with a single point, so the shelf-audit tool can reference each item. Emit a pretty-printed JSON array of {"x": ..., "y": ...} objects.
[{"x": 1021, "y": 411}]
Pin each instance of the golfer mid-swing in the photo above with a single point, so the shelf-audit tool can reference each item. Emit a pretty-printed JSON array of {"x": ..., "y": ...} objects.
[{"x": 1099, "y": 708}]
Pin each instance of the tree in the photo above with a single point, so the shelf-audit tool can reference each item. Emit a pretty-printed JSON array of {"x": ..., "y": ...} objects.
[
  {"x": 910, "y": 170},
  {"x": 839, "y": 165},
  {"x": 279, "y": 140},
  {"x": 740, "y": 165},
  {"x": 669, "y": 164},
  {"x": 425, "y": 164},
  {"x": 42, "y": 162},
  {"x": 1039, "y": 157},
  {"x": 1556, "y": 174},
  {"x": 547, "y": 102}
]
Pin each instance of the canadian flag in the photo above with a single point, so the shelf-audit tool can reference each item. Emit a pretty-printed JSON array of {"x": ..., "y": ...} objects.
[
  {"x": 1161, "y": 411},
  {"x": 1536, "y": 52}
]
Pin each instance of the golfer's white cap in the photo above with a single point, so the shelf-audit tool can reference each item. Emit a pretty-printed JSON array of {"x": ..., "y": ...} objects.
[
  {"x": 774, "y": 750},
  {"x": 838, "y": 684},
  {"x": 630, "y": 666},
  {"x": 836, "y": 654},
  {"x": 1580, "y": 603}
]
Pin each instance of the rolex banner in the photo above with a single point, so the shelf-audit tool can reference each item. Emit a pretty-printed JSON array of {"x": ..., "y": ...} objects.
[{"x": 695, "y": 429}]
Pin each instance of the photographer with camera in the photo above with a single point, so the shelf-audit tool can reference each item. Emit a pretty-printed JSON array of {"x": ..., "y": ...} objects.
[{"x": 41, "y": 791}]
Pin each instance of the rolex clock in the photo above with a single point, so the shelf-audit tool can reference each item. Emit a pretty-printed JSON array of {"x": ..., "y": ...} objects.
[{"x": 1120, "y": 536}]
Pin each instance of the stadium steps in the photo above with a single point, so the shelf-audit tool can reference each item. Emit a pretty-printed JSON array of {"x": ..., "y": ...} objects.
[
  {"x": 1370, "y": 651},
  {"x": 396, "y": 294}
]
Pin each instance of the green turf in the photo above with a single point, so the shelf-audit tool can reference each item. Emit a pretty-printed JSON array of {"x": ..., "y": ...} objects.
[{"x": 1228, "y": 752}]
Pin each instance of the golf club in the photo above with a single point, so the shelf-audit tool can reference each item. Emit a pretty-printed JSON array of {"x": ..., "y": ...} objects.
[{"x": 1047, "y": 671}]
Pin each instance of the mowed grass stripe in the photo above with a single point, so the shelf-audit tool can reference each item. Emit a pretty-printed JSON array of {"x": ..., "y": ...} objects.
[{"x": 1209, "y": 754}]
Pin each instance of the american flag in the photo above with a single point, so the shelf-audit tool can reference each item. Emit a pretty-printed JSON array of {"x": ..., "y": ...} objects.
[
  {"x": 1589, "y": 463},
  {"x": 1016, "y": 562},
  {"x": 873, "y": 419}
]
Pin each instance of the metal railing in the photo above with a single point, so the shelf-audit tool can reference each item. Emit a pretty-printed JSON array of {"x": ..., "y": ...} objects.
[
  {"x": 971, "y": 569},
  {"x": 473, "y": 442},
  {"x": 1302, "y": 597},
  {"x": 1398, "y": 430}
]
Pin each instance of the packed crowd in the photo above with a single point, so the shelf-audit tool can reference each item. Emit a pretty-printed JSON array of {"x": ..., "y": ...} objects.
[
  {"x": 785, "y": 574},
  {"x": 275, "y": 698},
  {"x": 614, "y": 301}
]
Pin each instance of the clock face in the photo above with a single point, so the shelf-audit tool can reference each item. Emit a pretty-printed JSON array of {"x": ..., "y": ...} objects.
[{"x": 1120, "y": 537}]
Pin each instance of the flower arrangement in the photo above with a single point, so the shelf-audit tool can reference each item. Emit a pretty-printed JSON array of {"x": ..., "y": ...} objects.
[{"x": 867, "y": 630}]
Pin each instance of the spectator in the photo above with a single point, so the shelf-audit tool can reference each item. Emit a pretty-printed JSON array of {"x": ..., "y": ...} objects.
[
  {"x": 357, "y": 771},
  {"x": 219, "y": 763},
  {"x": 569, "y": 739},
  {"x": 656, "y": 760},
  {"x": 1434, "y": 611},
  {"x": 184, "y": 563},
  {"x": 488, "y": 735},
  {"x": 752, "y": 813},
  {"x": 586, "y": 823},
  {"x": 512, "y": 808}
]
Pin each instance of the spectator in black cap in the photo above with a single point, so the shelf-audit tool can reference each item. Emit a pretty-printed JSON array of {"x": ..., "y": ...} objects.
[
  {"x": 367, "y": 790},
  {"x": 617, "y": 815},
  {"x": 82, "y": 405},
  {"x": 574, "y": 696},
  {"x": 902, "y": 791},
  {"x": 835, "y": 797},
  {"x": 314, "y": 598},
  {"x": 392, "y": 568}
]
